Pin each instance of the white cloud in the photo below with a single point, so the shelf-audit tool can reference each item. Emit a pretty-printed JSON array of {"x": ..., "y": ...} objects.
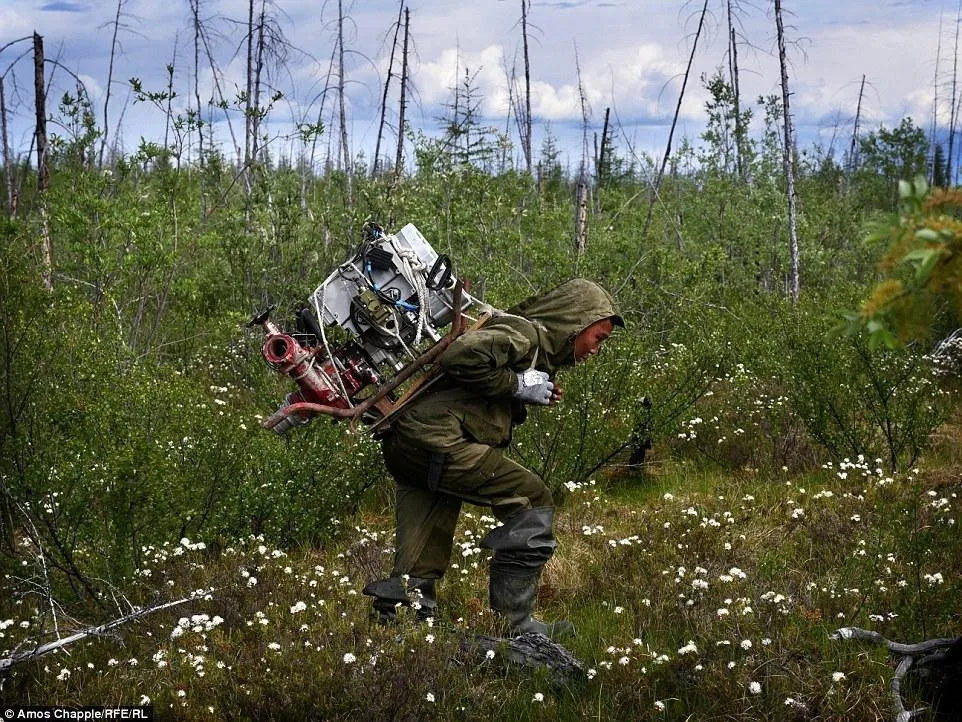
[{"x": 632, "y": 57}]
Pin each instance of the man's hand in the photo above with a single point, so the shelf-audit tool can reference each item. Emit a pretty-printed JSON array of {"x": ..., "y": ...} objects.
[
  {"x": 556, "y": 393},
  {"x": 535, "y": 388}
]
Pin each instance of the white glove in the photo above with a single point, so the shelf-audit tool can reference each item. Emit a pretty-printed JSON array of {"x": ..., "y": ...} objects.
[{"x": 534, "y": 387}]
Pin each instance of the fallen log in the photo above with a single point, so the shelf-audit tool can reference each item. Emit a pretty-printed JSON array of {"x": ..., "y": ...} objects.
[
  {"x": 532, "y": 650},
  {"x": 935, "y": 663}
]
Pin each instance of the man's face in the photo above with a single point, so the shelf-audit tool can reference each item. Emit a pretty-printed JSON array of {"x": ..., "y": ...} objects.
[{"x": 589, "y": 340}]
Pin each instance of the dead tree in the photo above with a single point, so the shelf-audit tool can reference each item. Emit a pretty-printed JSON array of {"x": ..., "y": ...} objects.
[
  {"x": 853, "y": 148},
  {"x": 195, "y": 16},
  {"x": 740, "y": 161},
  {"x": 258, "y": 70},
  {"x": 320, "y": 112},
  {"x": 399, "y": 159},
  {"x": 249, "y": 110},
  {"x": 935, "y": 96},
  {"x": 581, "y": 197},
  {"x": 345, "y": 150},
  {"x": 7, "y": 169},
  {"x": 656, "y": 184},
  {"x": 387, "y": 85},
  {"x": 789, "y": 157},
  {"x": 603, "y": 152},
  {"x": 953, "y": 111},
  {"x": 512, "y": 112},
  {"x": 110, "y": 77},
  {"x": 43, "y": 172},
  {"x": 526, "y": 136}
]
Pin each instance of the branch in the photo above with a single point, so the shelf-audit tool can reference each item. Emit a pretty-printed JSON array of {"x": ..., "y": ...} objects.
[
  {"x": 8, "y": 662},
  {"x": 908, "y": 652}
]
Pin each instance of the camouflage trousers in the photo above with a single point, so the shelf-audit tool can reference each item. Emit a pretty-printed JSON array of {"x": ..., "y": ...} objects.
[{"x": 432, "y": 487}]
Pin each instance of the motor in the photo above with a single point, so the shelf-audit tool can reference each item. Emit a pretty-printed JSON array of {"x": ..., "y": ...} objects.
[{"x": 392, "y": 298}]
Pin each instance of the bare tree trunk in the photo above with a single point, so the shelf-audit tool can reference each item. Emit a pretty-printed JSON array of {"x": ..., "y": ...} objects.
[
  {"x": 526, "y": 140},
  {"x": 387, "y": 84},
  {"x": 853, "y": 147},
  {"x": 581, "y": 198},
  {"x": 656, "y": 185},
  {"x": 603, "y": 151},
  {"x": 509, "y": 81},
  {"x": 249, "y": 111},
  {"x": 399, "y": 159},
  {"x": 320, "y": 112},
  {"x": 953, "y": 115},
  {"x": 195, "y": 11},
  {"x": 935, "y": 98},
  {"x": 345, "y": 150},
  {"x": 789, "y": 157},
  {"x": 581, "y": 217},
  {"x": 7, "y": 170},
  {"x": 736, "y": 96},
  {"x": 43, "y": 173},
  {"x": 215, "y": 76},
  {"x": 170, "y": 100},
  {"x": 258, "y": 69},
  {"x": 110, "y": 77}
]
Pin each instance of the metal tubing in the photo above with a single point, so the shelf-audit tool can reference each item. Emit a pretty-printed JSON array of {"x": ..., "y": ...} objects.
[{"x": 355, "y": 412}]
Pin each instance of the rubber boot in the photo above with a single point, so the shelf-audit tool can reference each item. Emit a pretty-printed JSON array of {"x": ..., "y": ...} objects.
[
  {"x": 394, "y": 592},
  {"x": 513, "y": 596},
  {"x": 522, "y": 546}
]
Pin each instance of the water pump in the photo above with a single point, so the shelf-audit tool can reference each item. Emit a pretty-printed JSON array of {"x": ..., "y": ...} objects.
[{"x": 372, "y": 324}]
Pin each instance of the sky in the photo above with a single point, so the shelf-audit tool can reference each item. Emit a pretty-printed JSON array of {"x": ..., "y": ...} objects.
[{"x": 631, "y": 54}]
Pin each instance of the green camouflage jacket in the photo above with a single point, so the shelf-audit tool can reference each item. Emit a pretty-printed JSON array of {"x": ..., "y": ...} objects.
[{"x": 474, "y": 402}]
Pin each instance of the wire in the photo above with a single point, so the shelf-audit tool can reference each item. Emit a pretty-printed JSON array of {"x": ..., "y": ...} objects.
[{"x": 327, "y": 348}]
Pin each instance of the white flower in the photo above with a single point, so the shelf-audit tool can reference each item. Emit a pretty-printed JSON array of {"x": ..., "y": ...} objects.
[
  {"x": 754, "y": 688},
  {"x": 619, "y": 610},
  {"x": 349, "y": 658},
  {"x": 299, "y": 607},
  {"x": 489, "y": 654},
  {"x": 659, "y": 705},
  {"x": 538, "y": 697},
  {"x": 746, "y": 644},
  {"x": 838, "y": 676},
  {"x": 144, "y": 700},
  {"x": 429, "y": 697},
  {"x": 64, "y": 674}
]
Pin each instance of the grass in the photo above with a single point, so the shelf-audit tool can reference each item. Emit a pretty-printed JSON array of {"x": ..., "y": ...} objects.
[{"x": 695, "y": 594}]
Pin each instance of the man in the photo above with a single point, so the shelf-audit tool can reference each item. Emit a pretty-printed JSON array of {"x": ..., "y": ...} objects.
[{"x": 449, "y": 448}]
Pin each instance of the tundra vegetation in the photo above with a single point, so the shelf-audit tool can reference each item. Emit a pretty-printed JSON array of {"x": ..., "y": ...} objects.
[{"x": 803, "y": 471}]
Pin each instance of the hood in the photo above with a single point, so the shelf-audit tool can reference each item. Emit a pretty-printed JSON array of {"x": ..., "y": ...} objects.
[{"x": 562, "y": 313}]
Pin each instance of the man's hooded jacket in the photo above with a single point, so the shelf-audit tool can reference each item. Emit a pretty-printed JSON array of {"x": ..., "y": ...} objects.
[{"x": 475, "y": 402}]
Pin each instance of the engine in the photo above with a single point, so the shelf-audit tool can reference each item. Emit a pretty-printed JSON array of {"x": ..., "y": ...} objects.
[{"x": 375, "y": 320}]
